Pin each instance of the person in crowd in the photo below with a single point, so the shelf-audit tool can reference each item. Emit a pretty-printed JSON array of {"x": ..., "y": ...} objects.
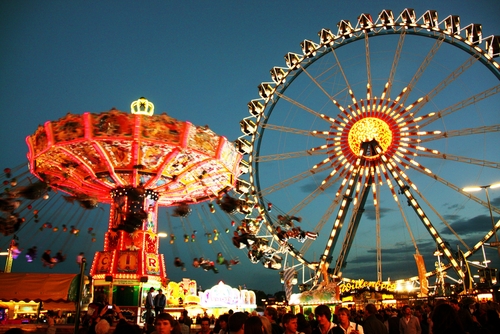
[
  {"x": 272, "y": 314},
  {"x": 467, "y": 317},
  {"x": 372, "y": 324},
  {"x": 159, "y": 301},
  {"x": 51, "y": 321},
  {"x": 164, "y": 324},
  {"x": 253, "y": 325},
  {"x": 303, "y": 326},
  {"x": 14, "y": 331},
  {"x": 184, "y": 327},
  {"x": 123, "y": 327},
  {"x": 102, "y": 327},
  {"x": 444, "y": 320},
  {"x": 324, "y": 318},
  {"x": 290, "y": 324},
  {"x": 205, "y": 326},
  {"x": 409, "y": 324},
  {"x": 492, "y": 321},
  {"x": 223, "y": 319},
  {"x": 186, "y": 319},
  {"x": 312, "y": 321},
  {"x": 268, "y": 328},
  {"x": 426, "y": 316},
  {"x": 345, "y": 326},
  {"x": 236, "y": 322},
  {"x": 149, "y": 304},
  {"x": 392, "y": 321}
]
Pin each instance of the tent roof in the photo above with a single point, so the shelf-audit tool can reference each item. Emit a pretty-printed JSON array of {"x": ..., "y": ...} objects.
[{"x": 37, "y": 287}]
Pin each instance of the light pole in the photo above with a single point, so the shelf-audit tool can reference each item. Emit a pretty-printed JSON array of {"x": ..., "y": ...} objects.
[{"x": 486, "y": 187}]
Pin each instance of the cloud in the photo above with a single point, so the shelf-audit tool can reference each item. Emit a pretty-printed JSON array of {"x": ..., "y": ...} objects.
[
  {"x": 371, "y": 214},
  {"x": 468, "y": 227}
]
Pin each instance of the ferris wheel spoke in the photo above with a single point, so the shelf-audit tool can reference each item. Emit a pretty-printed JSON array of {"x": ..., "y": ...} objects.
[
  {"x": 295, "y": 210},
  {"x": 299, "y": 105},
  {"x": 412, "y": 201},
  {"x": 395, "y": 62},
  {"x": 349, "y": 89},
  {"x": 460, "y": 133},
  {"x": 481, "y": 242},
  {"x": 458, "y": 189},
  {"x": 326, "y": 216},
  {"x": 316, "y": 134},
  {"x": 443, "y": 220},
  {"x": 449, "y": 79},
  {"x": 376, "y": 204},
  {"x": 408, "y": 228},
  {"x": 462, "y": 104},
  {"x": 353, "y": 226},
  {"x": 368, "y": 68},
  {"x": 289, "y": 155},
  {"x": 345, "y": 202},
  {"x": 331, "y": 98},
  {"x": 423, "y": 66},
  {"x": 467, "y": 160},
  {"x": 290, "y": 181}
]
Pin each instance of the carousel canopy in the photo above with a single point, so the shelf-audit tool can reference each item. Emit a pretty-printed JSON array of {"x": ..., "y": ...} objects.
[{"x": 91, "y": 154}]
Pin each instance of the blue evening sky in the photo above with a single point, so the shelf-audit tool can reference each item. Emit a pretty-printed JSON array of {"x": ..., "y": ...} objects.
[{"x": 199, "y": 61}]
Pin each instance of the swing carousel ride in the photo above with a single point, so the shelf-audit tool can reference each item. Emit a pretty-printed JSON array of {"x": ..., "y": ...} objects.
[
  {"x": 136, "y": 162},
  {"x": 403, "y": 108}
]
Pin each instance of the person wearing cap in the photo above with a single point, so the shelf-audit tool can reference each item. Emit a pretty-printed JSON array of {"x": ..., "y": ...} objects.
[{"x": 159, "y": 302}]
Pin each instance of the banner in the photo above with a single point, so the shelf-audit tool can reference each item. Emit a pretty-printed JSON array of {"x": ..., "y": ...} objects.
[
  {"x": 424, "y": 283},
  {"x": 288, "y": 276}
]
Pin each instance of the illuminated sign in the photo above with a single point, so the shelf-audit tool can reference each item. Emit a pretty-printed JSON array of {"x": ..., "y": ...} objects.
[
  {"x": 362, "y": 284},
  {"x": 222, "y": 295}
]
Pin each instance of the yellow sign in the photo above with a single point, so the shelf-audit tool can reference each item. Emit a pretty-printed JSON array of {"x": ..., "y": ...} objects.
[{"x": 362, "y": 284}]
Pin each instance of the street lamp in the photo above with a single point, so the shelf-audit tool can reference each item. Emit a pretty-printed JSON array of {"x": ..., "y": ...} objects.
[{"x": 486, "y": 187}]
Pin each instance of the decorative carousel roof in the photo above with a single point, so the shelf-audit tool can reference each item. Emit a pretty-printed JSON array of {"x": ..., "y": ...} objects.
[{"x": 89, "y": 155}]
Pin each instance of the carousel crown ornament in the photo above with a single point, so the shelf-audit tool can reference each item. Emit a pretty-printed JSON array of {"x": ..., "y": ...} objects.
[{"x": 142, "y": 107}]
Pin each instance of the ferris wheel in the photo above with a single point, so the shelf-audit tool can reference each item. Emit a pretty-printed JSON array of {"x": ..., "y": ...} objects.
[{"x": 359, "y": 146}]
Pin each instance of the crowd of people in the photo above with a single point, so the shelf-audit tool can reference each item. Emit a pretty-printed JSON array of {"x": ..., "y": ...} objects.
[{"x": 443, "y": 317}]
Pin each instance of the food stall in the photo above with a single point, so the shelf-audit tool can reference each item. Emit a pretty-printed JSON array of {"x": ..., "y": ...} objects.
[{"x": 24, "y": 296}]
